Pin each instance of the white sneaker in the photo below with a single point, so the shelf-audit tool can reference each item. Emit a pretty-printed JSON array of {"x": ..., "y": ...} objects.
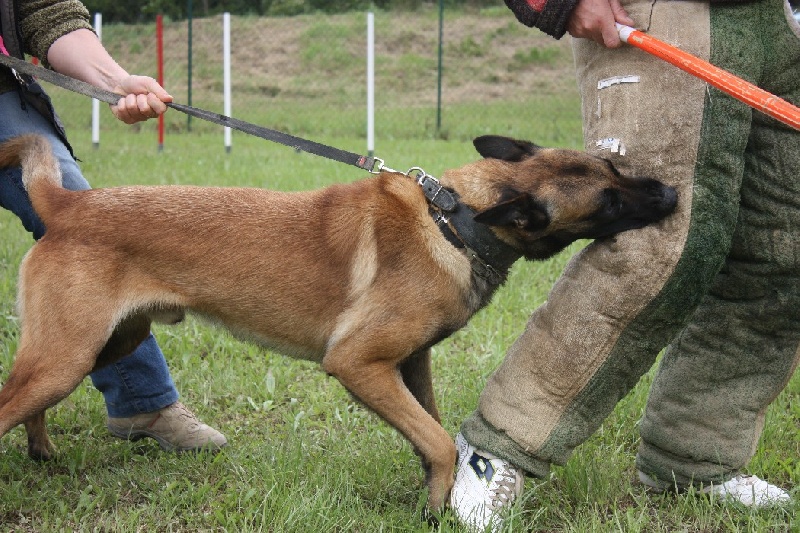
[
  {"x": 748, "y": 490},
  {"x": 485, "y": 485}
]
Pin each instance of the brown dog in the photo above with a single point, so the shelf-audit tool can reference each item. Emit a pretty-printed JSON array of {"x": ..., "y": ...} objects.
[{"x": 363, "y": 277}]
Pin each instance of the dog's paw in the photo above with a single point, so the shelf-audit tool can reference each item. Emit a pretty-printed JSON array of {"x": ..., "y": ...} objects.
[{"x": 41, "y": 451}]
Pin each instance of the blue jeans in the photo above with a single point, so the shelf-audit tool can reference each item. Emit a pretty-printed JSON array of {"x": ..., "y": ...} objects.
[{"x": 140, "y": 382}]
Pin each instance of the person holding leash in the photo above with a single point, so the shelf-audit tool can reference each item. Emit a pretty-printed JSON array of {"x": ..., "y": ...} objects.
[
  {"x": 717, "y": 283},
  {"x": 141, "y": 398}
]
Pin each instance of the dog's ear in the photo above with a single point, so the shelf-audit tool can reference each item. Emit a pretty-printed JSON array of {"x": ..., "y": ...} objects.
[
  {"x": 520, "y": 211},
  {"x": 504, "y": 148}
]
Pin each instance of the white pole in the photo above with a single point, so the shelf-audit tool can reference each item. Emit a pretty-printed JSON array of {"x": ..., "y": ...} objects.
[
  {"x": 226, "y": 52},
  {"x": 370, "y": 84},
  {"x": 98, "y": 29}
]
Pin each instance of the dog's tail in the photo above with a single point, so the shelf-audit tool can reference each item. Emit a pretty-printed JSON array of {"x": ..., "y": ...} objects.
[{"x": 41, "y": 174}]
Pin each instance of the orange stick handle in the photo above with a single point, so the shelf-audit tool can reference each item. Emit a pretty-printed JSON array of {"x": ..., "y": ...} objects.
[{"x": 723, "y": 80}]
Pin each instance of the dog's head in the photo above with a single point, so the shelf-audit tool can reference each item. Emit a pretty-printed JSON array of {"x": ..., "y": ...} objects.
[{"x": 540, "y": 200}]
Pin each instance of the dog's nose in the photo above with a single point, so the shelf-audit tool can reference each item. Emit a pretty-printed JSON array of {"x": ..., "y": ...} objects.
[
  {"x": 668, "y": 200},
  {"x": 661, "y": 198}
]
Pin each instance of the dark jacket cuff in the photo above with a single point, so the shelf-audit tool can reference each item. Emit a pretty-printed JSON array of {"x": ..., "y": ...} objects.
[{"x": 550, "y": 16}]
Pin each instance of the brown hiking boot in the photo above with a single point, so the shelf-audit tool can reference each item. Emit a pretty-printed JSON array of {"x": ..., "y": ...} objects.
[{"x": 174, "y": 427}]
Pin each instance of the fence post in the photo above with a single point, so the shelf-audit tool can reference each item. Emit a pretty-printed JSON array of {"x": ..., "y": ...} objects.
[
  {"x": 226, "y": 84},
  {"x": 98, "y": 29},
  {"x": 370, "y": 84},
  {"x": 189, "y": 68},
  {"x": 160, "y": 60},
  {"x": 439, "y": 71}
]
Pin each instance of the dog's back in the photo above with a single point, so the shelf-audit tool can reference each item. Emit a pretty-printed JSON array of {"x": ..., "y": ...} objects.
[{"x": 315, "y": 252}]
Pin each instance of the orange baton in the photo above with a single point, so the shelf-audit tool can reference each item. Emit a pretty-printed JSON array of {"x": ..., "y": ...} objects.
[{"x": 723, "y": 80}]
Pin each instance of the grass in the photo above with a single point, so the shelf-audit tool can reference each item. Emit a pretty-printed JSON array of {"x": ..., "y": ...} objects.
[{"x": 303, "y": 456}]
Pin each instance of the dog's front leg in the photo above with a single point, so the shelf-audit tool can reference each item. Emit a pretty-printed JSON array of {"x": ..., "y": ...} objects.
[
  {"x": 377, "y": 382},
  {"x": 416, "y": 372},
  {"x": 417, "y": 376}
]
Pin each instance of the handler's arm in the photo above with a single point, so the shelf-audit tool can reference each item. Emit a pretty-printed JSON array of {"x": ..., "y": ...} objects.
[{"x": 81, "y": 55}]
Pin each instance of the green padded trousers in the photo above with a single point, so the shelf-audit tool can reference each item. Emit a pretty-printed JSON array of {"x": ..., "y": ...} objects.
[{"x": 716, "y": 283}]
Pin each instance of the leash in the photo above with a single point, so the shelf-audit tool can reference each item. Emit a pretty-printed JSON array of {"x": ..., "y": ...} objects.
[
  {"x": 373, "y": 165},
  {"x": 434, "y": 192},
  {"x": 453, "y": 217}
]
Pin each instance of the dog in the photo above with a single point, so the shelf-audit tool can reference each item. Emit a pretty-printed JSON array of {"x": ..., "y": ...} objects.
[{"x": 363, "y": 277}]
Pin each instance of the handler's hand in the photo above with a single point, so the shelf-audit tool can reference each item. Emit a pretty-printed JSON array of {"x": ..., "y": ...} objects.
[
  {"x": 145, "y": 99},
  {"x": 596, "y": 20}
]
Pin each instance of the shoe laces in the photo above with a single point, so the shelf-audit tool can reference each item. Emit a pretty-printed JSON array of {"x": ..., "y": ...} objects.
[
  {"x": 746, "y": 480},
  {"x": 180, "y": 411},
  {"x": 505, "y": 489},
  {"x": 742, "y": 482}
]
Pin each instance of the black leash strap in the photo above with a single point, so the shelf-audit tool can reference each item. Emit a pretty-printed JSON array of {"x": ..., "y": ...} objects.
[
  {"x": 371, "y": 164},
  {"x": 350, "y": 158},
  {"x": 78, "y": 86}
]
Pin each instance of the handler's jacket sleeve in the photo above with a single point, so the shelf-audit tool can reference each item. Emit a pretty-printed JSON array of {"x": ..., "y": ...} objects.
[
  {"x": 44, "y": 21},
  {"x": 41, "y": 23},
  {"x": 550, "y": 16}
]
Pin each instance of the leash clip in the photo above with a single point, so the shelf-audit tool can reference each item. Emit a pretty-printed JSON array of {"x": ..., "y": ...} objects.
[
  {"x": 433, "y": 190},
  {"x": 380, "y": 166}
]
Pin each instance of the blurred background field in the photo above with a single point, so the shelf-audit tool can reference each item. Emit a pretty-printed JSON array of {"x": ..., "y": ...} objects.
[{"x": 307, "y": 75}]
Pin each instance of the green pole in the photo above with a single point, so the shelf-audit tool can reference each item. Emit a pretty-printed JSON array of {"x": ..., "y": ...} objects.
[
  {"x": 189, "y": 81},
  {"x": 439, "y": 73}
]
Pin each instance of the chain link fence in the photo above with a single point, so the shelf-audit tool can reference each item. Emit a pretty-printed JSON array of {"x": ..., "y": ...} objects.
[{"x": 451, "y": 75}]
